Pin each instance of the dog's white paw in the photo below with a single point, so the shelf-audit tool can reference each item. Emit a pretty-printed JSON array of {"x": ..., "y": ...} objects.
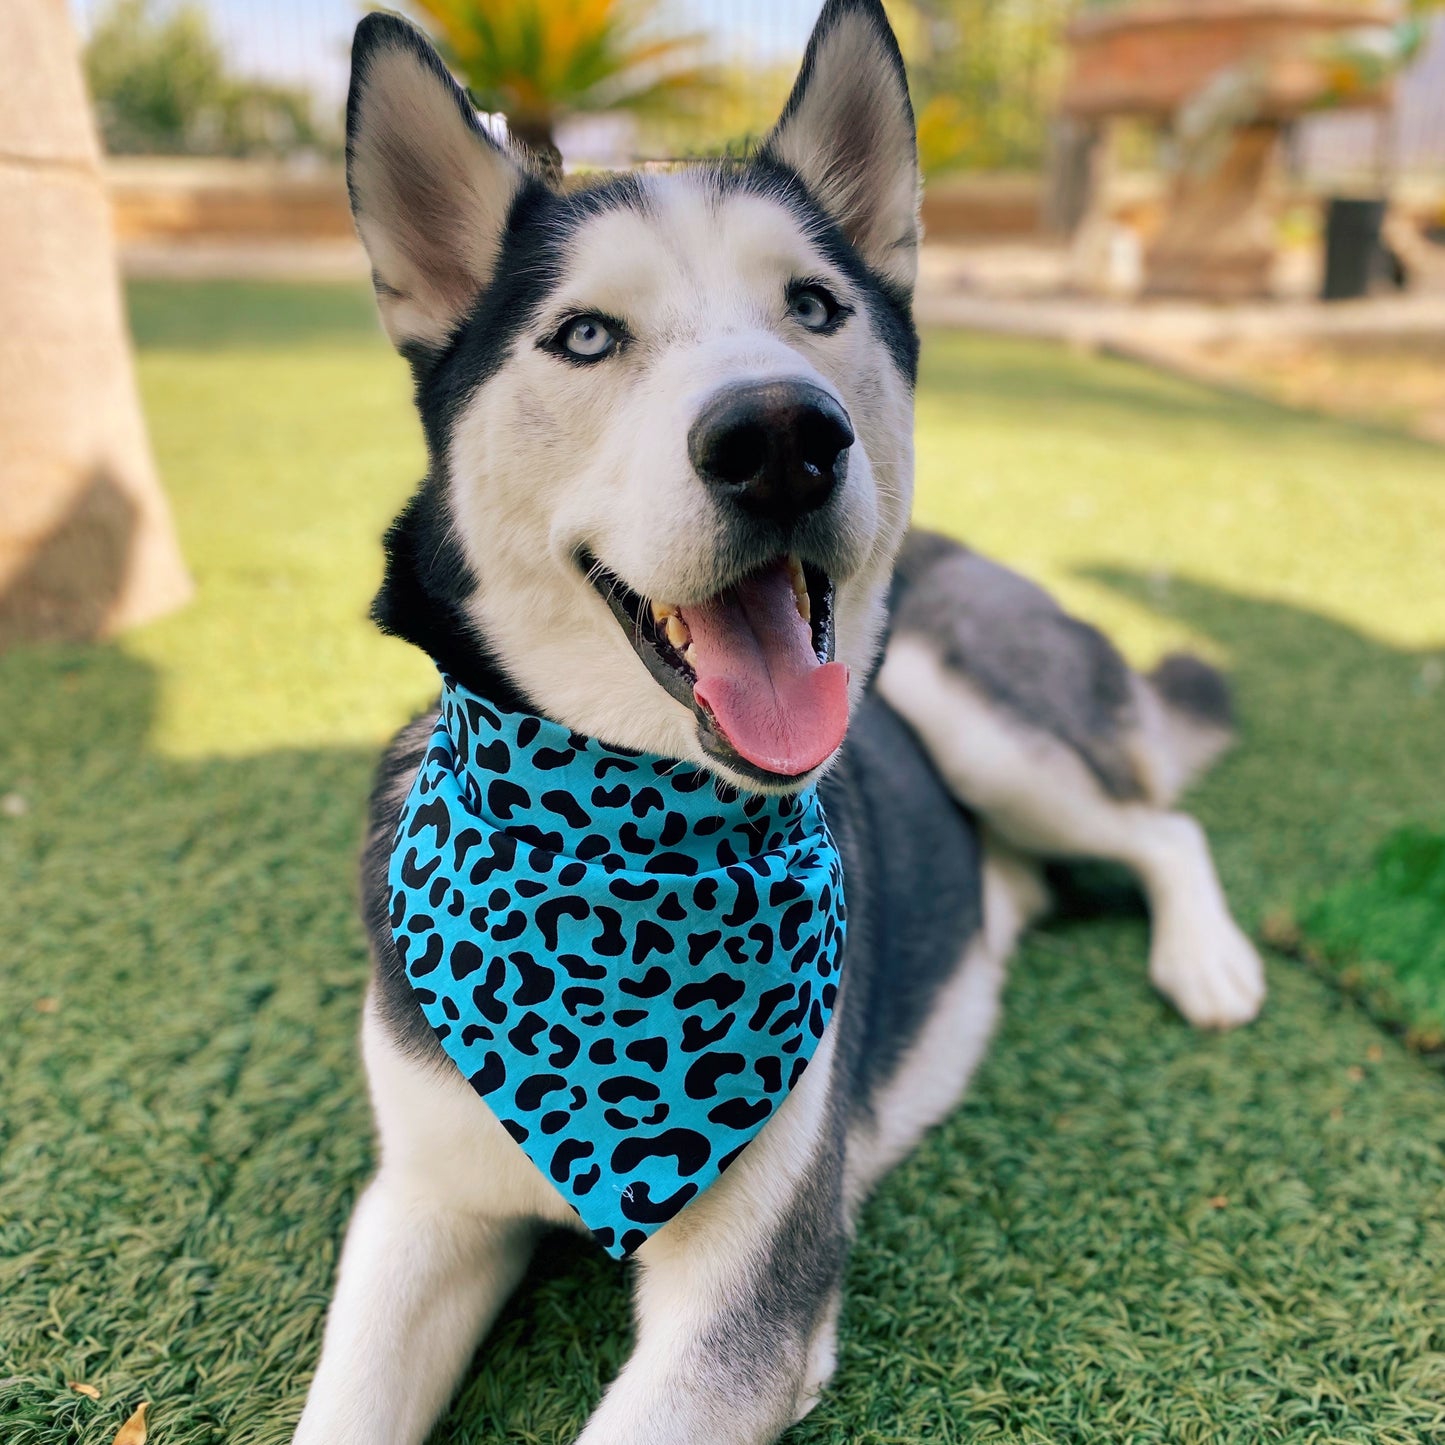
[{"x": 1212, "y": 975}]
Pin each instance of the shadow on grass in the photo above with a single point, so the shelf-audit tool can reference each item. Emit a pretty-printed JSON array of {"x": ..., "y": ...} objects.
[
  {"x": 184, "y": 1124},
  {"x": 223, "y": 315}
]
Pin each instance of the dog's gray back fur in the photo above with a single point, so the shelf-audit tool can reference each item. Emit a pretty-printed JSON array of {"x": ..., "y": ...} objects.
[{"x": 1023, "y": 652}]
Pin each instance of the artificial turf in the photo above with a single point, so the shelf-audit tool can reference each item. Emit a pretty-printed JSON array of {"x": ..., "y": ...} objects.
[
  {"x": 1382, "y": 931},
  {"x": 1131, "y": 1232}
]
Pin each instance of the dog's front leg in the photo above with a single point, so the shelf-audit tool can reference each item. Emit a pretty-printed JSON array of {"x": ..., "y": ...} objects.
[
  {"x": 737, "y": 1298},
  {"x": 419, "y": 1283},
  {"x": 724, "y": 1355},
  {"x": 438, "y": 1241}
]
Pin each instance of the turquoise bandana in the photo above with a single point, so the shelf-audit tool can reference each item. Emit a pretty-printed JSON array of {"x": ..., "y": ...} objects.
[{"x": 630, "y": 962}]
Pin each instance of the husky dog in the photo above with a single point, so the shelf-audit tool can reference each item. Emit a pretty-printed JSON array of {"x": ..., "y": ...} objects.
[{"x": 662, "y": 411}]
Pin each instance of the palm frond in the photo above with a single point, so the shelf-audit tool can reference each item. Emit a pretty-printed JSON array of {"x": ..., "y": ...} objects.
[{"x": 539, "y": 60}]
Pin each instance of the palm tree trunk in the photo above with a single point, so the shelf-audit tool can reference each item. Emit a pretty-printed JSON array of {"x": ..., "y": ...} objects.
[{"x": 87, "y": 545}]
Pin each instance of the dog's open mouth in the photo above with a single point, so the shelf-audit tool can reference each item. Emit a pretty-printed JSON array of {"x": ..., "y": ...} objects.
[{"x": 754, "y": 662}]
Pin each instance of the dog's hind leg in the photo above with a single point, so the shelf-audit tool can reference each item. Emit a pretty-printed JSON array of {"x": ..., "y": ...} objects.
[{"x": 1036, "y": 723}]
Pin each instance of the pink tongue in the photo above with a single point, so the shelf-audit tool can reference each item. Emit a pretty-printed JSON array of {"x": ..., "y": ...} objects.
[{"x": 757, "y": 674}]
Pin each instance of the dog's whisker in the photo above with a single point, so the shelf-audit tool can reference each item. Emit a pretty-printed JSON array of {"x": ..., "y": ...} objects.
[{"x": 645, "y": 610}]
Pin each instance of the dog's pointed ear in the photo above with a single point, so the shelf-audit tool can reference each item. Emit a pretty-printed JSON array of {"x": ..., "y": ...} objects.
[
  {"x": 430, "y": 190},
  {"x": 847, "y": 131}
]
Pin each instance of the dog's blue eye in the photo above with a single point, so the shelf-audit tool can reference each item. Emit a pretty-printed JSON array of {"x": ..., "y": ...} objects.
[
  {"x": 588, "y": 338},
  {"x": 813, "y": 306}
]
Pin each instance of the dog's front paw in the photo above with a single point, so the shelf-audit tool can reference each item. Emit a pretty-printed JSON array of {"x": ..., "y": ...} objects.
[{"x": 1212, "y": 975}]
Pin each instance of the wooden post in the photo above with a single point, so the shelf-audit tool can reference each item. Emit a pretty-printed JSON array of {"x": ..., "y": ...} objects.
[
  {"x": 1071, "y": 179},
  {"x": 87, "y": 545}
]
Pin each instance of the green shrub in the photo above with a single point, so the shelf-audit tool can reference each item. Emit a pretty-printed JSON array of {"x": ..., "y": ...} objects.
[{"x": 161, "y": 86}]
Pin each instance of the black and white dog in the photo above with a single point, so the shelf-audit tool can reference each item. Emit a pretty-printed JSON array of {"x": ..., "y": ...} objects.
[{"x": 689, "y": 394}]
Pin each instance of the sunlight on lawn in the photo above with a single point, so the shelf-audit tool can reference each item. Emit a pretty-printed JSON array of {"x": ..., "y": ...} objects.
[
  {"x": 185, "y": 1124},
  {"x": 1067, "y": 466},
  {"x": 284, "y": 466}
]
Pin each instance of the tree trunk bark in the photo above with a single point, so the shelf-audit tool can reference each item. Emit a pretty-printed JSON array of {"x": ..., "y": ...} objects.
[{"x": 87, "y": 545}]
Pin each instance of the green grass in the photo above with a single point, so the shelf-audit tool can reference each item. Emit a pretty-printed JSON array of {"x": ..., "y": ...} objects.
[
  {"x": 217, "y": 315},
  {"x": 1383, "y": 931},
  {"x": 1130, "y": 1233}
]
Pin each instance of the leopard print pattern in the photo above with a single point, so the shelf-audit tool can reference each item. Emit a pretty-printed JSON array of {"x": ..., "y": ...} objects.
[{"x": 629, "y": 961}]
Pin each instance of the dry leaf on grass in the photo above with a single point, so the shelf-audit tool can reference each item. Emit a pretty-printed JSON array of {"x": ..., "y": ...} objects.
[
  {"x": 81, "y": 1388},
  {"x": 133, "y": 1432},
  {"x": 1280, "y": 930}
]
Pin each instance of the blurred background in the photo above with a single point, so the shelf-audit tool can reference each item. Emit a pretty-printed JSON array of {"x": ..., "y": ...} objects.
[
  {"x": 1183, "y": 313},
  {"x": 1079, "y": 153}
]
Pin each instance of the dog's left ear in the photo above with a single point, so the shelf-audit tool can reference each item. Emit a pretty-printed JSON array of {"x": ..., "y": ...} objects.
[{"x": 848, "y": 132}]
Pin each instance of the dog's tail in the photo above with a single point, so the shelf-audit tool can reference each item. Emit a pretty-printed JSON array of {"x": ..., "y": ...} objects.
[{"x": 1188, "y": 717}]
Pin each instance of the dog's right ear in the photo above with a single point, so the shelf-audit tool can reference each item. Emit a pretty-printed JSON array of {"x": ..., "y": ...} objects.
[{"x": 430, "y": 190}]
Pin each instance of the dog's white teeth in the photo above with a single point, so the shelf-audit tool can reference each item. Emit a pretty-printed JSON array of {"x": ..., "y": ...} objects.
[
  {"x": 800, "y": 589},
  {"x": 689, "y": 655},
  {"x": 669, "y": 622}
]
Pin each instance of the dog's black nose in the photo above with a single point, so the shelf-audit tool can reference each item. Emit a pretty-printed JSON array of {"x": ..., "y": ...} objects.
[{"x": 778, "y": 449}]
